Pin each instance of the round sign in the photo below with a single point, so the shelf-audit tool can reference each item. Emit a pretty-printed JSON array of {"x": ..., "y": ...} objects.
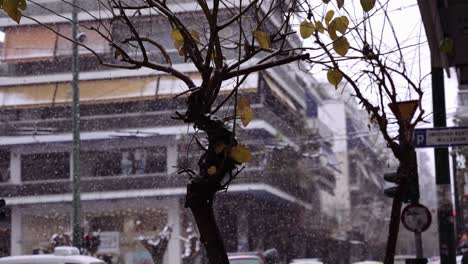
[{"x": 416, "y": 218}]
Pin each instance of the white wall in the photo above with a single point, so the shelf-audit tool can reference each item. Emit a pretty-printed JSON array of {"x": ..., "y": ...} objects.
[
  {"x": 16, "y": 231},
  {"x": 333, "y": 113}
]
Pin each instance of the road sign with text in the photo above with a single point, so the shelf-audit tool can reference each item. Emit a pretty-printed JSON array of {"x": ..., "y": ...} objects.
[{"x": 440, "y": 137}]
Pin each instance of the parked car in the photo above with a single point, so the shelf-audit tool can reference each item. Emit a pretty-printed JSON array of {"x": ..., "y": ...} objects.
[
  {"x": 62, "y": 255},
  {"x": 246, "y": 258},
  {"x": 306, "y": 261},
  {"x": 436, "y": 260},
  {"x": 268, "y": 257},
  {"x": 368, "y": 262},
  {"x": 401, "y": 259}
]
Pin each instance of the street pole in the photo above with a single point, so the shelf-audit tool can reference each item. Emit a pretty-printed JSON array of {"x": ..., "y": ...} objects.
[
  {"x": 76, "y": 202},
  {"x": 442, "y": 170},
  {"x": 419, "y": 246},
  {"x": 394, "y": 227},
  {"x": 456, "y": 194}
]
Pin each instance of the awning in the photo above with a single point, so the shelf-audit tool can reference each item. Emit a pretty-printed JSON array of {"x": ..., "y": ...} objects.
[
  {"x": 105, "y": 91},
  {"x": 29, "y": 43},
  {"x": 33, "y": 43}
]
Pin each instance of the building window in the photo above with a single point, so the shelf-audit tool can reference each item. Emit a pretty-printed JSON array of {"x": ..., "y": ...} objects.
[
  {"x": 114, "y": 162},
  {"x": 45, "y": 166},
  {"x": 4, "y": 166}
]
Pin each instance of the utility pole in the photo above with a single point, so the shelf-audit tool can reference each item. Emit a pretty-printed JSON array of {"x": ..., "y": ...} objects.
[
  {"x": 76, "y": 202},
  {"x": 442, "y": 170},
  {"x": 456, "y": 193}
]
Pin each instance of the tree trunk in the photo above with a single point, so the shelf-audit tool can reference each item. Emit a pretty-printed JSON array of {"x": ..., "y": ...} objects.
[{"x": 200, "y": 201}]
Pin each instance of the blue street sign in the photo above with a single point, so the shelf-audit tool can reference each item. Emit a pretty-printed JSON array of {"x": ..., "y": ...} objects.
[{"x": 440, "y": 137}]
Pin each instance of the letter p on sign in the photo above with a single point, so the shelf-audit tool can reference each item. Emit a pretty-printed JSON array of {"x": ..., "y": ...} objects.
[{"x": 420, "y": 138}]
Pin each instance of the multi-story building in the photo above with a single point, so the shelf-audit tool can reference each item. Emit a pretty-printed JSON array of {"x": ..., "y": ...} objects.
[
  {"x": 131, "y": 149},
  {"x": 302, "y": 194},
  {"x": 362, "y": 159}
]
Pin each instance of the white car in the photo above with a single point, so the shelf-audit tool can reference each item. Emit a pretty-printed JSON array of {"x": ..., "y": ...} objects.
[{"x": 62, "y": 255}]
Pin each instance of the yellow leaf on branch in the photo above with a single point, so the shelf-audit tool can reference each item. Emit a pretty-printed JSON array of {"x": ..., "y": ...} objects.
[
  {"x": 179, "y": 45},
  {"x": 340, "y": 3},
  {"x": 342, "y": 24},
  {"x": 332, "y": 30},
  {"x": 195, "y": 36},
  {"x": 240, "y": 154},
  {"x": 319, "y": 26},
  {"x": 212, "y": 170},
  {"x": 341, "y": 45},
  {"x": 245, "y": 112},
  {"x": 334, "y": 77},
  {"x": 263, "y": 39},
  {"x": 177, "y": 36},
  {"x": 306, "y": 29},
  {"x": 328, "y": 17},
  {"x": 13, "y": 8},
  {"x": 22, "y": 4},
  {"x": 367, "y": 5}
]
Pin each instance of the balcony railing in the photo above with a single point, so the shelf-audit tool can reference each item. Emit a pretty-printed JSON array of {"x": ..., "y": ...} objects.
[
  {"x": 321, "y": 128},
  {"x": 253, "y": 175}
]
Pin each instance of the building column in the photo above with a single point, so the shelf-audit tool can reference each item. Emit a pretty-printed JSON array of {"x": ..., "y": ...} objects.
[
  {"x": 16, "y": 231},
  {"x": 174, "y": 251},
  {"x": 15, "y": 168},
  {"x": 171, "y": 158}
]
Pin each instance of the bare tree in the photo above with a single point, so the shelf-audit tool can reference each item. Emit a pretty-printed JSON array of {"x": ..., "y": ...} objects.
[
  {"x": 346, "y": 47},
  {"x": 369, "y": 57}
]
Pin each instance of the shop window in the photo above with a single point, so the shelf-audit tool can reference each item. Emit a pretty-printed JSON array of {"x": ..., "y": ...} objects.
[
  {"x": 4, "y": 166},
  {"x": 138, "y": 161},
  {"x": 45, "y": 166}
]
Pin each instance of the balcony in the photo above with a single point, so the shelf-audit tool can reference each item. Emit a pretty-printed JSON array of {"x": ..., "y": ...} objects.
[
  {"x": 462, "y": 109},
  {"x": 320, "y": 128},
  {"x": 252, "y": 180}
]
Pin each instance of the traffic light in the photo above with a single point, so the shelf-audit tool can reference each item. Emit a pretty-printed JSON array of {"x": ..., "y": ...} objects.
[
  {"x": 406, "y": 182},
  {"x": 2, "y": 209},
  {"x": 393, "y": 178}
]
